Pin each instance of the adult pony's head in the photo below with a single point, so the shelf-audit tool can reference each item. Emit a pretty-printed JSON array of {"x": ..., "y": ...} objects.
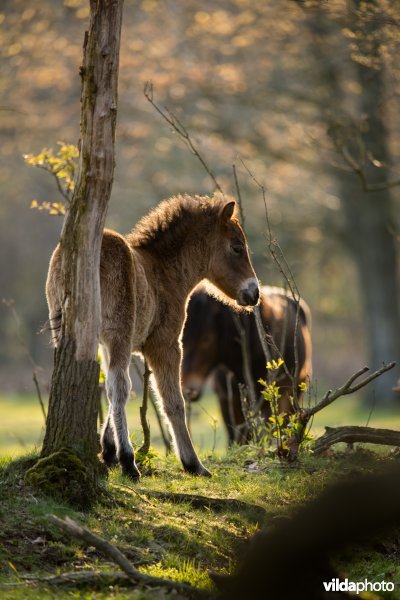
[{"x": 230, "y": 269}]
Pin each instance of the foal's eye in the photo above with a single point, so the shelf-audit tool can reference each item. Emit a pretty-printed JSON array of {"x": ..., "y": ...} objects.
[{"x": 237, "y": 249}]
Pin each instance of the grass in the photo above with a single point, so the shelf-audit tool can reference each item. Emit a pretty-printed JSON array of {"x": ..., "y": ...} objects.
[
  {"x": 165, "y": 538},
  {"x": 21, "y": 425}
]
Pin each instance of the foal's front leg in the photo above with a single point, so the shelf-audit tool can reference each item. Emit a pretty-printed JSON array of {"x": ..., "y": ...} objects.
[
  {"x": 115, "y": 436},
  {"x": 165, "y": 362}
]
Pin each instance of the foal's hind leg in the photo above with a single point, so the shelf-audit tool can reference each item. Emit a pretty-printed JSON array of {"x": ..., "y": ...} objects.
[
  {"x": 118, "y": 386},
  {"x": 107, "y": 441},
  {"x": 165, "y": 363}
]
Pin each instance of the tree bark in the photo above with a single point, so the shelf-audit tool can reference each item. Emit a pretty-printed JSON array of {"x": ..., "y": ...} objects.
[{"x": 73, "y": 403}]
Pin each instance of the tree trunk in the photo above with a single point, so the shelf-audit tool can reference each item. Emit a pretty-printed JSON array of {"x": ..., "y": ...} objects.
[
  {"x": 72, "y": 418},
  {"x": 368, "y": 215},
  {"x": 373, "y": 219}
]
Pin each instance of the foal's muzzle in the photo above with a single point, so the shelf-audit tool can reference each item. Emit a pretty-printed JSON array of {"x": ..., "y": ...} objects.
[{"x": 249, "y": 295}]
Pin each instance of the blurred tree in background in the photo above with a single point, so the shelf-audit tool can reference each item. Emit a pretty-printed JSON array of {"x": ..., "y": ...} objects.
[{"x": 305, "y": 92}]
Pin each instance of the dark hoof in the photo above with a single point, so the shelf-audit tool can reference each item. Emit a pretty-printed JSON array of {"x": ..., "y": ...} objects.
[
  {"x": 132, "y": 472},
  {"x": 196, "y": 468},
  {"x": 128, "y": 465}
]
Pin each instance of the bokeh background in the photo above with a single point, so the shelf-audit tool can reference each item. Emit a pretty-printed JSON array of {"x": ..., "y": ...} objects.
[{"x": 306, "y": 93}]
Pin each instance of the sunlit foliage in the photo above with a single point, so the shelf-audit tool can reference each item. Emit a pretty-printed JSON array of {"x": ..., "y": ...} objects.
[{"x": 62, "y": 166}]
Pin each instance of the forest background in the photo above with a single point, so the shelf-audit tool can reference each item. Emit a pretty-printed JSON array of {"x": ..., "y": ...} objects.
[{"x": 306, "y": 93}]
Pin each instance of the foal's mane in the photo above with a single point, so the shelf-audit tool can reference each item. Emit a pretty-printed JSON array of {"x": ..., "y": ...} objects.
[{"x": 165, "y": 227}]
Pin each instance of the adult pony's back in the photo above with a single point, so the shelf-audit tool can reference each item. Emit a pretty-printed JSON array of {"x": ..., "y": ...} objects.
[{"x": 146, "y": 278}]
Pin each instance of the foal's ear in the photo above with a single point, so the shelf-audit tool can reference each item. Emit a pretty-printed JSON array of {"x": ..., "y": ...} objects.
[{"x": 228, "y": 210}]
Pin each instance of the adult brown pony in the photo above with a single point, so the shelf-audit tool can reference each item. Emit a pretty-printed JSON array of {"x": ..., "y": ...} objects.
[
  {"x": 146, "y": 278},
  {"x": 211, "y": 345}
]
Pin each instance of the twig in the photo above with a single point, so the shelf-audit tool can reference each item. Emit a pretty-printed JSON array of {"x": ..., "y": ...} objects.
[
  {"x": 357, "y": 168},
  {"x": 347, "y": 388},
  {"x": 81, "y": 533},
  {"x": 144, "y": 448},
  {"x": 239, "y": 197},
  {"x": 164, "y": 435},
  {"x": 84, "y": 579},
  {"x": 136, "y": 577},
  {"x": 214, "y": 424},
  {"x": 131, "y": 489},
  {"x": 65, "y": 193},
  {"x": 39, "y": 394},
  {"x": 261, "y": 333},
  {"x": 229, "y": 387},
  {"x": 372, "y": 410},
  {"x": 246, "y": 358},
  {"x": 283, "y": 267},
  {"x": 198, "y": 501},
  {"x": 188, "y": 408},
  {"x": 180, "y": 129},
  {"x": 10, "y": 304}
]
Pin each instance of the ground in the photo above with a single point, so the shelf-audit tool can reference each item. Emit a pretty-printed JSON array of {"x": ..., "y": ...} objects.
[
  {"x": 172, "y": 539},
  {"x": 166, "y": 538}
]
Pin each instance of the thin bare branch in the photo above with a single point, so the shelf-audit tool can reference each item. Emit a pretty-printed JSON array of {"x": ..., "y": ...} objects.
[
  {"x": 72, "y": 528},
  {"x": 131, "y": 489},
  {"x": 79, "y": 579},
  {"x": 347, "y": 388},
  {"x": 261, "y": 333},
  {"x": 229, "y": 386},
  {"x": 136, "y": 577},
  {"x": 286, "y": 272},
  {"x": 357, "y": 168},
  {"x": 246, "y": 358},
  {"x": 39, "y": 394},
  {"x": 11, "y": 305},
  {"x": 164, "y": 435},
  {"x": 239, "y": 197},
  {"x": 180, "y": 129},
  {"x": 144, "y": 448},
  {"x": 64, "y": 193}
]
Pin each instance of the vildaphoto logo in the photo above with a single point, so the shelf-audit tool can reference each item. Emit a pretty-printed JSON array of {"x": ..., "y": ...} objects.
[{"x": 335, "y": 585}]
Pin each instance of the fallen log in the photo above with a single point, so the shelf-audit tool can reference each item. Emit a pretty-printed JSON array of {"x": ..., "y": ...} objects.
[
  {"x": 134, "y": 576},
  {"x": 351, "y": 434}
]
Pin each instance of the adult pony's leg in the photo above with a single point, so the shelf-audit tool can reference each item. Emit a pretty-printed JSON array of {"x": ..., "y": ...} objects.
[
  {"x": 227, "y": 390},
  {"x": 165, "y": 361},
  {"x": 118, "y": 385},
  {"x": 107, "y": 441}
]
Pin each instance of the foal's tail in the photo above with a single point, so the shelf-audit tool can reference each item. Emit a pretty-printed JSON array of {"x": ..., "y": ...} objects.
[
  {"x": 53, "y": 324},
  {"x": 53, "y": 290}
]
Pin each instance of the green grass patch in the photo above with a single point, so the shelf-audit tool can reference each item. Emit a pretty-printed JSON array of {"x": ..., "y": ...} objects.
[
  {"x": 22, "y": 426},
  {"x": 164, "y": 537}
]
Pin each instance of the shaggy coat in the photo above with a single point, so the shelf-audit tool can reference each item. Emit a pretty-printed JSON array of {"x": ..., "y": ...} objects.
[{"x": 146, "y": 278}]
